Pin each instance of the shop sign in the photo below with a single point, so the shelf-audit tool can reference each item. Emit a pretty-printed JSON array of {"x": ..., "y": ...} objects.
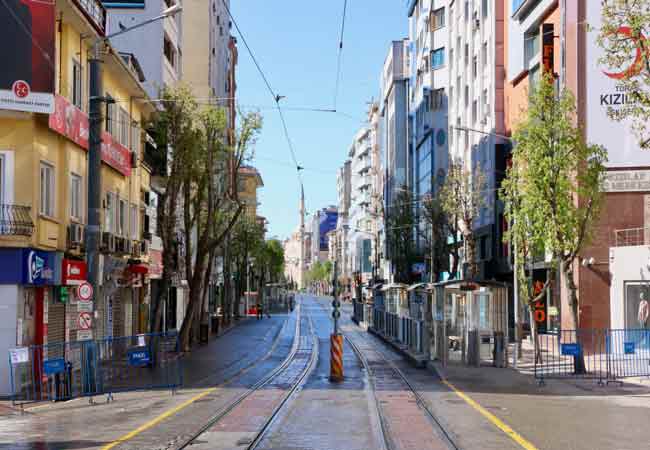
[
  {"x": 539, "y": 307},
  {"x": 155, "y": 264},
  {"x": 629, "y": 348},
  {"x": 626, "y": 181},
  {"x": 69, "y": 121},
  {"x": 74, "y": 272},
  {"x": 605, "y": 94},
  {"x": 39, "y": 267},
  {"x": 116, "y": 155},
  {"x": 27, "y": 30},
  {"x": 84, "y": 306}
]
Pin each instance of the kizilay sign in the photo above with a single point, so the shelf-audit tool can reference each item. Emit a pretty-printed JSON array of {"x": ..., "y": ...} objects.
[{"x": 604, "y": 92}]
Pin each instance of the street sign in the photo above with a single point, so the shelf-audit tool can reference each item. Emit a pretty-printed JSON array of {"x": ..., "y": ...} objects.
[
  {"x": 571, "y": 349},
  {"x": 52, "y": 366},
  {"x": 629, "y": 348},
  {"x": 85, "y": 291},
  {"x": 85, "y": 321},
  {"x": 139, "y": 357},
  {"x": 19, "y": 355},
  {"x": 336, "y": 313},
  {"x": 85, "y": 307},
  {"x": 84, "y": 335}
]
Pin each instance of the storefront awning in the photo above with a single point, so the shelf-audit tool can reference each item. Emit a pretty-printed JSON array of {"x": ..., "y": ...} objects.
[{"x": 140, "y": 269}]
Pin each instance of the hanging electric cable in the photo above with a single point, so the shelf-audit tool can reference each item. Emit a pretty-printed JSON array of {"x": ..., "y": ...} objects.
[{"x": 340, "y": 55}]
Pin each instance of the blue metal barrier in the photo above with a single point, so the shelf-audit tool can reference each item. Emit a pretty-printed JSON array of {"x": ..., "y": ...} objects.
[
  {"x": 66, "y": 370},
  {"x": 606, "y": 355}
]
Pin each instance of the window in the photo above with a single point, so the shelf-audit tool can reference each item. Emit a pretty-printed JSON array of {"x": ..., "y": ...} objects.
[
  {"x": 451, "y": 95},
  {"x": 134, "y": 222},
  {"x": 111, "y": 115},
  {"x": 109, "y": 214},
  {"x": 466, "y": 53},
  {"x": 466, "y": 95},
  {"x": 531, "y": 47},
  {"x": 484, "y": 102},
  {"x": 124, "y": 127},
  {"x": 475, "y": 66},
  {"x": 47, "y": 190},
  {"x": 76, "y": 190},
  {"x": 466, "y": 9},
  {"x": 438, "y": 58},
  {"x": 169, "y": 51},
  {"x": 77, "y": 82},
  {"x": 451, "y": 58},
  {"x": 437, "y": 19},
  {"x": 485, "y": 8},
  {"x": 533, "y": 77},
  {"x": 437, "y": 98},
  {"x": 474, "y": 111},
  {"x": 123, "y": 214}
]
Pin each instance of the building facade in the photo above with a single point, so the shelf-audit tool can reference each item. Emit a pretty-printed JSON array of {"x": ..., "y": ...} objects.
[{"x": 44, "y": 176}]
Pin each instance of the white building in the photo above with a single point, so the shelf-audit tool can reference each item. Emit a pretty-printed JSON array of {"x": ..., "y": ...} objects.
[
  {"x": 360, "y": 219},
  {"x": 475, "y": 100}
]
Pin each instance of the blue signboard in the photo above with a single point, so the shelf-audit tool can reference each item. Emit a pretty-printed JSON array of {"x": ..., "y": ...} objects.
[
  {"x": 53, "y": 366},
  {"x": 571, "y": 349},
  {"x": 327, "y": 223},
  {"x": 139, "y": 357},
  {"x": 629, "y": 348},
  {"x": 29, "y": 266},
  {"x": 139, "y": 4}
]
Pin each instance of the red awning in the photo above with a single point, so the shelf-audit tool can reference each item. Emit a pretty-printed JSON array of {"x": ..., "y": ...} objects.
[{"x": 141, "y": 269}]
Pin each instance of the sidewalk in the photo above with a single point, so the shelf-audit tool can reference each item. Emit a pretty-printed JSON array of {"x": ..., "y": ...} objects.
[{"x": 74, "y": 424}]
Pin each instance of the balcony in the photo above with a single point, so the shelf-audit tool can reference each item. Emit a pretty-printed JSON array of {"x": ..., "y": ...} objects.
[
  {"x": 16, "y": 220},
  {"x": 95, "y": 13},
  {"x": 631, "y": 237}
]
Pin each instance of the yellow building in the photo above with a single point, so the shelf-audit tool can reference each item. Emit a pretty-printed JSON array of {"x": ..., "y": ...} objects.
[
  {"x": 43, "y": 190},
  {"x": 249, "y": 181}
]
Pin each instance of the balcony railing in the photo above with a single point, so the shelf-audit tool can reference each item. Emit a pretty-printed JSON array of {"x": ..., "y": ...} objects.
[{"x": 16, "y": 220}]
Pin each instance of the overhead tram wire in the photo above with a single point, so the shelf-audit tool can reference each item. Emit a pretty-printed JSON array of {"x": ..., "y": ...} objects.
[
  {"x": 276, "y": 97},
  {"x": 340, "y": 55}
]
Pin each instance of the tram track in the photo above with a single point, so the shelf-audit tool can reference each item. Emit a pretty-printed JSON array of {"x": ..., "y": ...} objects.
[
  {"x": 385, "y": 375},
  {"x": 286, "y": 379}
]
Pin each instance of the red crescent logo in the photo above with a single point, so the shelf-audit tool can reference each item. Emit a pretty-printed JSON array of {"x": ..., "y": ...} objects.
[
  {"x": 635, "y": 68},
  {"x": 20, "y": 88}
]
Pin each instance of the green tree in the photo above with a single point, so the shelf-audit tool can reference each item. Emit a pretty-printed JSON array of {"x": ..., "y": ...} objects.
[
  {"x": 624, "y": 38},
  {"x": 461, "y": 197},
  {"x": 437, "y": 235},
  {"x": 552, "y": 191},
  {"x": 247, "y": 238},
  {"x": 400, "y": 223}
]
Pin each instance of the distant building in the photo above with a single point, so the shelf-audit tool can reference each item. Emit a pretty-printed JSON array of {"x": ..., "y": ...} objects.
[
  {"x": 323, "y": 221},
  {"x": 249, "y": 181}
]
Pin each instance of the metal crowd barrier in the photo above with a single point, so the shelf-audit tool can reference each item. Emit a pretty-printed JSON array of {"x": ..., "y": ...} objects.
[
  {"x": 605, "y": 355},
  {"x": 67, "y": 370}
]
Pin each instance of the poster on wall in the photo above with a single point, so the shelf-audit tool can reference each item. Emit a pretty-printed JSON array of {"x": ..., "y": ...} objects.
[
  {"x": 27, "y": 75},
  {"x": 604, "y": 92}
]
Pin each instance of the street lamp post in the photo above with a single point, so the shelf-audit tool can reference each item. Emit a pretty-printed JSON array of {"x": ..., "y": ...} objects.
[{"x": 96, "y": 99}]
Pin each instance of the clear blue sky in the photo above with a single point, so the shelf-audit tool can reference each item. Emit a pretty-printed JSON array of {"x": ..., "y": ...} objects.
[{"x": 296, "y": 44}]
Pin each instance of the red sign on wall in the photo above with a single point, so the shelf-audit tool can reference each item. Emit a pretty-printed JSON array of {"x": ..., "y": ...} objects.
[
  {"x": 74, "y": 272},
  {"x": 116, "y": 155},
  {"x": 71, "y": 122},
  {"x": 155, "y": 264}
]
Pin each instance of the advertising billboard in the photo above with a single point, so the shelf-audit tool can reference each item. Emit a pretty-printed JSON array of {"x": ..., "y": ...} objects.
[
  {"x": 604, "y": 92},
  {"x": 27, "y": 75},
  {"x": 327, "y": 222}
]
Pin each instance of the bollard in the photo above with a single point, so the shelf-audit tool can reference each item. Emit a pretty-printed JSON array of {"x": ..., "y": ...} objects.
[{"x": 336, "y": 357}]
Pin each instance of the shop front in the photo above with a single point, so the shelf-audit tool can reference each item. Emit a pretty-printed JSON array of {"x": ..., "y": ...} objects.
[{"x": 26, "y": 279}]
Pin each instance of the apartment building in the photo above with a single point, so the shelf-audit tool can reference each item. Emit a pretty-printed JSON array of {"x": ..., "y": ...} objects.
[
  {"x": 156, "y": 46},
  {"x": 250, "y": 181},
  {"x": 476, "y": 114},
  {"x": 360, "y": 216},
  {"x": 428, "y": 102},
  {"x": 43, "y": 174},
  {"x": 343, "y": 191}
]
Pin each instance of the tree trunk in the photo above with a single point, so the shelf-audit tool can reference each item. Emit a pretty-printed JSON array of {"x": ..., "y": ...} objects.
[{"x": 578, "y": 361}]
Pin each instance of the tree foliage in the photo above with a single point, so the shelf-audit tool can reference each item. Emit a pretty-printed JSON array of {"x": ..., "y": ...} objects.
[
  {"x": 624, "y": 37},
  {"x": 437, "y": 235},
  {"x": 552, "y": 189},
  {"x": 200, "y": 206},
  {"x": 400, "y": 223},
  {"x": 319, "y": 271},
  {"x": 461, "y": 198}
]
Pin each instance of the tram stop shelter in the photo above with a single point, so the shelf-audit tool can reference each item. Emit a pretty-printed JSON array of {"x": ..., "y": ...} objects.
[{"x": 470, "y": 322}]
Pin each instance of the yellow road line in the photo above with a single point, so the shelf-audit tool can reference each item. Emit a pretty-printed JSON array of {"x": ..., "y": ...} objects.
[
  {"x": 159, "y": 419},
  {"x": 512, "y": 434}
]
